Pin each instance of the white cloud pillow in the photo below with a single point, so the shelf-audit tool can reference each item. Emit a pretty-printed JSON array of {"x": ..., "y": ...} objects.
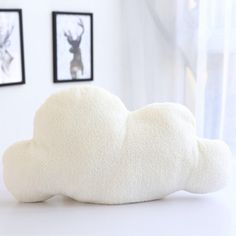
[{"x": 88, "y": 146}]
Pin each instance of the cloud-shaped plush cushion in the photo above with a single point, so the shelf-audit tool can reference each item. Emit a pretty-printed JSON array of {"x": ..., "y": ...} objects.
[{"x": 88, "y": 146}]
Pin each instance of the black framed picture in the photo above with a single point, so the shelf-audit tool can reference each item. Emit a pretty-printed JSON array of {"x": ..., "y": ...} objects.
[
  {"x": 11, "y": 47},
  {"x": 72, "y": 46}
]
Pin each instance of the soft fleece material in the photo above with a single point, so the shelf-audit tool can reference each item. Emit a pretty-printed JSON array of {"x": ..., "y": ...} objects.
[{"x": 88, "y": 146}]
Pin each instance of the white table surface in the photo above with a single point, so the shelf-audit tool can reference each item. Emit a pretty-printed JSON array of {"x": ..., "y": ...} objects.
[{"x": 179, "y": 214}]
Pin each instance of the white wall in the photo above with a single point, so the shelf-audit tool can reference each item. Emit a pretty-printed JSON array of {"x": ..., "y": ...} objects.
[{"x": 19, "y": 103}]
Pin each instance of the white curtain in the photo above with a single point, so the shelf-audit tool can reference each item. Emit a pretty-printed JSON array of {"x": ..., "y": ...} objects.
[{"x": 183, "y": 51}]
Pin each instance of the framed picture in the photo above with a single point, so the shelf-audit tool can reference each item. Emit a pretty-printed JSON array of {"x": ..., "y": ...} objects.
[
  {"x": 72, "y": 46},
  {"x": 11, "y": 47}
]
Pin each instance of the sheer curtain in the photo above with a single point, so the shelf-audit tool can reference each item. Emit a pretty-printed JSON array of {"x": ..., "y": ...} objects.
[{"x": 183, "y": 51}]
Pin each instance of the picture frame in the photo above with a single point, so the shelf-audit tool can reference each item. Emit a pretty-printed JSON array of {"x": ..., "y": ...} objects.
[
  {"x": 72, "y": 46},
  {"x": 12, "y": 66}
]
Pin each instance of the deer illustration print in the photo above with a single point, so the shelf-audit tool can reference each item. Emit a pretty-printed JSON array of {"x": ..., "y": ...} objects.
[
  {"x": 76, "y": 63},
  {"x": 5, "y": 57}
]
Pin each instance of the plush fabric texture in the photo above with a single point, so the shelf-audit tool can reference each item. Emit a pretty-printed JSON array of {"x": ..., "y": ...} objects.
[{"x": 88, "y": 146}]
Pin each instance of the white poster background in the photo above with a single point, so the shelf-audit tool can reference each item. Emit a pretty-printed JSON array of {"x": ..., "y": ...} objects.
[
  {"x": 67, "y": 23},
  {"x": 7, "y": 20}
]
